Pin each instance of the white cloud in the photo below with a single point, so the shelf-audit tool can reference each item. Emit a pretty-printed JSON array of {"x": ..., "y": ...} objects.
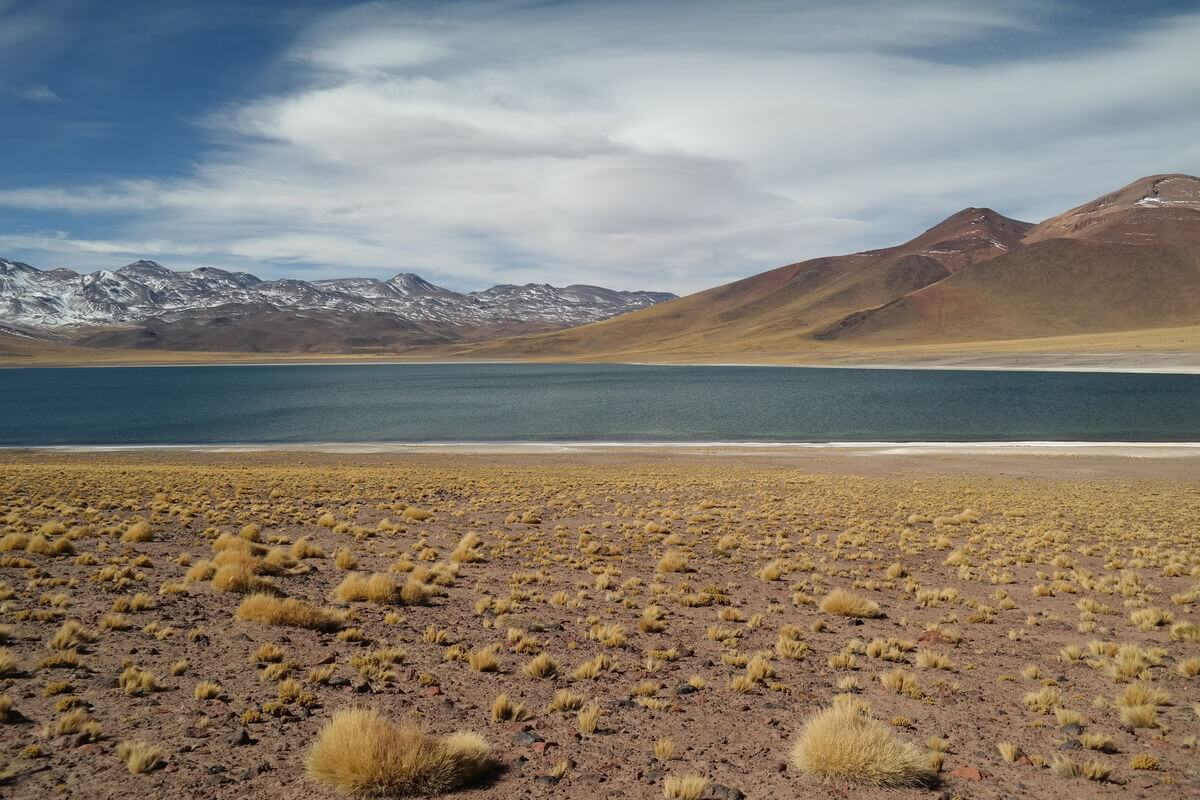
[{"x": 650, "y": 145}]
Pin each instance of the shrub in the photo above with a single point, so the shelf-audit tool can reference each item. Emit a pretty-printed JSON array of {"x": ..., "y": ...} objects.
[
  {"x": 287, "y": 612},
  {"x": 361, "y": 753},
  {"x": 686, "y": 787},
  {"x": 70, "y": 636},
  {"x": 206, "y": 690},
  {"x": 541, "y": 666},
  {"x": 138, "y": 532},
  {"x": 843, "y": 743},
  {"x": 139, "y": 757},
  {"x": 672, "y": 561},
  {"x": 847, "y": 604}
]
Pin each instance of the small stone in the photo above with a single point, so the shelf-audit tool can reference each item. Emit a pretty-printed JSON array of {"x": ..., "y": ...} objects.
[
  {"x": 719, "y": 791},
  {"x": 215, "y": 769},
  {"x": 541, "y": 747},
  {"x": 362, "y": 687},
  {"x": 966, "y": 773},
  {"x": 432, "y": 691},
  {"x": 1071, "y": 744},
  {"x": 240, "y": 737},
  {"x": 526, "y": 737},
  {"x": 549, "y": 780},
  {"x": 685, "y": 688},
  {"x": 1074, "y": 729}
]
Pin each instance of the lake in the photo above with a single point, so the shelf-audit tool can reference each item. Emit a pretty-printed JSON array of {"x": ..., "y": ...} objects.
[{"x": 584, "y": 403}]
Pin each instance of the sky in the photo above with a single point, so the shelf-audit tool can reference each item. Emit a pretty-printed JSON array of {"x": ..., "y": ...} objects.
[{"x": 633, "y": 144}]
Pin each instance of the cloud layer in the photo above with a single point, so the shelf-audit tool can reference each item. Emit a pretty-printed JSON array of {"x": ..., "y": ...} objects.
[{"x": 643, "y": 145}]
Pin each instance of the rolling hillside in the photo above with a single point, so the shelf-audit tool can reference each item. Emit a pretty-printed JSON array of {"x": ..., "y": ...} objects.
[{"x": 1123, "y": 263}]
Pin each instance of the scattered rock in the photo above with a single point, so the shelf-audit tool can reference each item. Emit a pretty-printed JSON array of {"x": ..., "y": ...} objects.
[
  {"x": 1074, "y": 729},
  {"x": 549, "y": 780},
  {"x": 966, "y": 773},
  {"x": 719, "y": 791},
  {"x": 933, "y": 637},
  {"x": 528, "y": 737},
  {"x": 685, "y": 688},
  {"x": 240, "y": 737},
  {"x": 1071, "y": 744}
]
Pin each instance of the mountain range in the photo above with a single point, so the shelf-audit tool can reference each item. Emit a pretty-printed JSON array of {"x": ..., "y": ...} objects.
[
  {"x": 1120, "y": 273},
  {"x": 147, "y": 305},
  {"x": 1126, "y": 262}
]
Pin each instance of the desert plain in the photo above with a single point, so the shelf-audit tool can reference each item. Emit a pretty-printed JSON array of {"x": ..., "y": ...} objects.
[{"x": 630, "y": 624}]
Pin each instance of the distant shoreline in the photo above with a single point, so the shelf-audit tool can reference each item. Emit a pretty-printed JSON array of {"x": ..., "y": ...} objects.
[
  {"x": 1035, "y": 448},
  {"x": 335, "y": 361}
]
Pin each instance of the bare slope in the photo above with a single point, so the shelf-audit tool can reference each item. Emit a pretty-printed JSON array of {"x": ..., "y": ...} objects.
[
  {"x": 778, "y": 310},
  {"x": 1126, "y": 262}
]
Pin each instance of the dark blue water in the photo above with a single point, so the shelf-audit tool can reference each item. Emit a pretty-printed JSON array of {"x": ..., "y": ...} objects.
[{"x": 524, "y": 402}]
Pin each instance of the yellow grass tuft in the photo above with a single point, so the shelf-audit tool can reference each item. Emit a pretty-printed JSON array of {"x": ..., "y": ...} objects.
[
  {"x": 287, "y": 612},
  {"x": 848, "y": 604},
  {"x": 684, "y": 787},
  {"x": 361, "y": 753},
  {"x": 843, "y": 743},
  {"x": 139, "y": 757}
]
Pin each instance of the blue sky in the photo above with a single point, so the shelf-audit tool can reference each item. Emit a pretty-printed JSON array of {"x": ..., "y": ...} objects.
[{"x": 664, "y": 145}]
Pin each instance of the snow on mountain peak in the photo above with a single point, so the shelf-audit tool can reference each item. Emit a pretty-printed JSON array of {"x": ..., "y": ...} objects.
[{"x": 145, "y": 289}]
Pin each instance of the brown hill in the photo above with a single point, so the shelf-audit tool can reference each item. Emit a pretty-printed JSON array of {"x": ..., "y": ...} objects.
[
  {"x": 781, "y": 308},
  {"x": 1128, "y": 261}
]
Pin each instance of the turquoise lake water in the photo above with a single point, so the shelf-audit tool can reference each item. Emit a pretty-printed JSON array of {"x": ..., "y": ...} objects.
[{"x": 584, "y": 403}]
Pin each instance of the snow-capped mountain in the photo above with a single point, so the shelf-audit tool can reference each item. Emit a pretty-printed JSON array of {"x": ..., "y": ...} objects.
[{"x": 145, "y": 291}]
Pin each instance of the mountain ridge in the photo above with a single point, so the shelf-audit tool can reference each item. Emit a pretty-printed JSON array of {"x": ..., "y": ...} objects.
[
  {"x": 1126, "y": 261},
  {"x": 144, "y": 304}
]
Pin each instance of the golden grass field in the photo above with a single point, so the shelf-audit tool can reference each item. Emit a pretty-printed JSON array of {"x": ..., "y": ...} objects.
[{"x": 181, "y": 625}]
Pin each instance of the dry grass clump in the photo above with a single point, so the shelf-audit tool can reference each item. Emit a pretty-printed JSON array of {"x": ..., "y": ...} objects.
[
  {"x": 844, "y": 743},
  {"x": 139, "y": 757},
  {"x": 1100, "y": 742},
  {"x": 378, "y": 587},
  {"x": 505, "y": 710},
  {"x": 588, "y": 718},
  {"x": 673, "y": 561},
  {"x": 684, "y": 787},
  {"x": 847, "y": 604},
  {"x": 135, "y": 681},
  {"x": 664, "y": 749},
  {"x": 241, "y": 578},
  {"x": 287, "y": 612},
  {"x": 361, "y": 753},
  {"x": 138, "y": 532},
  {"x": 565, "y": 700},
  {"x": 541, "y": 666},
  {"x": 1065, "y": 767},
  {"x": 206, "y": 690},
  {"x": 484, "y": 659},
  {"x": 71, "y": 636}
]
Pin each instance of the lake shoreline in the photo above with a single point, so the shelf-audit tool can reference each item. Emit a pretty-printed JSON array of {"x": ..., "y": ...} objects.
[{"x": 939, "y": 366}]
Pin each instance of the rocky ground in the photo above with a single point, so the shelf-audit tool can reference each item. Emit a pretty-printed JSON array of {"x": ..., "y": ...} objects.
[{"x": 993, "y": 589}]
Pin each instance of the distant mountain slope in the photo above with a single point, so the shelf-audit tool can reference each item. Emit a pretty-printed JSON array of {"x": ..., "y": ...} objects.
[
  {"x": 147, "y": 305},
  {"x": 1124, "y": 262}
]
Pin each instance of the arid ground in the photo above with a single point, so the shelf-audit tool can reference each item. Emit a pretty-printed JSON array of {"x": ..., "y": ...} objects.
[{"x": 181, "y": 625}]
